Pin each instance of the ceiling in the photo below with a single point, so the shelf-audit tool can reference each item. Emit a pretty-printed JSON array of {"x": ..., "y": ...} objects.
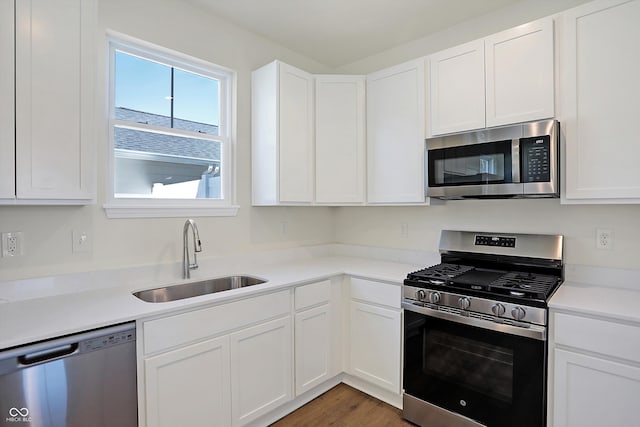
[{"x": 338, "y": 32}]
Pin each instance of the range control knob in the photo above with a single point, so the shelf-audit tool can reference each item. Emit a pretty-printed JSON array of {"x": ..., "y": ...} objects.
[
  {"x": 434, "y": 297},
  {"x": 464, "y": 303},
  {"x": 498, "y": 309},
  {"x": 420, "y": 295},
  {"x": 518, "y": 313}
]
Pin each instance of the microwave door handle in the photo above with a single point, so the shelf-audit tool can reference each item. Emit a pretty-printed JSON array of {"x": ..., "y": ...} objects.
[{"x": 515, "y": 161}]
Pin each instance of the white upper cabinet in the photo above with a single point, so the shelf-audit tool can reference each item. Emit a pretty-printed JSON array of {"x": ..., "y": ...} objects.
[
  {"x": 7, "y": 111},
  {"x": 502, "y": 79},
  {"x": 600, "y": 102},
  {"x": 282, "y": 135},
  {"x": 519, "y": 74},
  {"x": 395, "y": 134},
  {"x": 456, "y": 89},
  {"x": 340, "y": 139},
  {"x": 54, "y": 86}
]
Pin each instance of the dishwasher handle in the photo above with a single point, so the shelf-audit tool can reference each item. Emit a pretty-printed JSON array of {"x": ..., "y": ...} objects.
[{"x": 46, "y": 355}]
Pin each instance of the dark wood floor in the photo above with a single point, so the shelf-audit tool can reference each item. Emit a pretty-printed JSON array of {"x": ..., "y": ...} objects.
[{"x": 344, "y": 406}]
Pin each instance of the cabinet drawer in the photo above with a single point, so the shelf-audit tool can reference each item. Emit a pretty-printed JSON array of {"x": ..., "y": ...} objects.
[
  {"x": 312, "y": 294},
  {"x": 195, "y": 325},
  {"x": 376, "y": 292},
  {"x": 601, "y": 336}
]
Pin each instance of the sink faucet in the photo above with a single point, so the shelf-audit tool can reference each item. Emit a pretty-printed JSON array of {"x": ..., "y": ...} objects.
[{"x": 187, "y": 266}]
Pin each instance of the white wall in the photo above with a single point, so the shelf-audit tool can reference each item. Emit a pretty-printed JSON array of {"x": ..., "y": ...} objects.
[
  {"x": 121, "y": 242},
  {"x": 382, "y": 226}
]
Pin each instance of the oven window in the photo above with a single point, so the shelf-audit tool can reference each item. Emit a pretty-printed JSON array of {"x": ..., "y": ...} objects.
[{"x": 482, "y": 367}]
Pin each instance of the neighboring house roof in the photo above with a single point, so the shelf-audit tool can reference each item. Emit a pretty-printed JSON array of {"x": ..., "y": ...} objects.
[{"x": 157, "y": 143}]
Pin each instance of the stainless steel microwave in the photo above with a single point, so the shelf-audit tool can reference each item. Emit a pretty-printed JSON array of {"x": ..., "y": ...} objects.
[{"x": 508, "y": 162}]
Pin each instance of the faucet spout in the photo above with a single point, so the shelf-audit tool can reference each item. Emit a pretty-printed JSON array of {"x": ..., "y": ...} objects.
[{"x": 187, "y": 265}]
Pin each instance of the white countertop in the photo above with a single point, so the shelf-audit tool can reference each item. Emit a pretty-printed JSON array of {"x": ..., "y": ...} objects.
[
  {"x": 606, "y": 292},
  {"x": 71, "y": 308},
  {"x": 42, "y": 308},
  {"x": 604, "y": 301}
]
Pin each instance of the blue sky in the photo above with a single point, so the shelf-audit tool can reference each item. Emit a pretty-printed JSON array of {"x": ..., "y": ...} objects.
[{"x": 146, "y": 86}]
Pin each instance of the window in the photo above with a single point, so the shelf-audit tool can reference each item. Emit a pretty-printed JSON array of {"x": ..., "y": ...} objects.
[{"x": 170, "y": 133}]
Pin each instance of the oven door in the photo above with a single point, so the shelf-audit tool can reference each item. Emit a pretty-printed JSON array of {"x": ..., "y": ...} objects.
[
  {"x": 492, "y": 377},
  {"x": 475, "y": 170}
]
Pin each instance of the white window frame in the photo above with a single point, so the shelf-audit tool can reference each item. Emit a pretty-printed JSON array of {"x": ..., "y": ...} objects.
[{"x": 131, "y": 207}]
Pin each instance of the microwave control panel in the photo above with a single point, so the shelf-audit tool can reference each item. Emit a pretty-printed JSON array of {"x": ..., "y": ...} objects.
[{"x": 535, "y": 153}]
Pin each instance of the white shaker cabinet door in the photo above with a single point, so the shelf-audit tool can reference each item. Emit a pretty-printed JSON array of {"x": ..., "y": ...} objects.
[
  {"x": 600, "y": 101},
  {"x": 189, "y": 386},
  {"x": 282, "y": 135},
  {"x": 395, "y": 134},
  {"x": 7, "y": 111},
  {"x": 594, "y": 392},
  {"x": 313, "y": 347},
  {"x": 519, "y": 74},
  {"x": 54, "y": 106},
  {"x": 457, "y": 89},
  {"x": 375, "y": 341},
  {"x": 295, "y": 135},
  {"x": 340, "y": 139},
  {"x": 261, "y": 369}
]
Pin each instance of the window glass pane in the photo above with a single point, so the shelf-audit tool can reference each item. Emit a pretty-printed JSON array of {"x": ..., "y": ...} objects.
[
  {"x": 155, "y": 165},
  {"x": 195, "y": 102},
  {"x": 142, "y": 90}
]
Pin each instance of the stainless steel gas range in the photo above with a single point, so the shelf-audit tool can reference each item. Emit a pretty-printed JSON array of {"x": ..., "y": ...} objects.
[{"x": 475, "y": 331}]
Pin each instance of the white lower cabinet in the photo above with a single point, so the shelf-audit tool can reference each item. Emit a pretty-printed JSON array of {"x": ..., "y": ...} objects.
[
  {"x": 312, "y": 347},
  {"x": 375, "y": 345},
  {"x": 189, "y": 386},
  {"x": 261, "y": 369},
  {"x": 314, "y": 338},
  {"x": 596, "y": 371},
  {"x": 594, "y": 392},
  {"x": 375, "y": 339},
  {"x": 224, "y": 365},
  {"x": 248, "y": 361}
]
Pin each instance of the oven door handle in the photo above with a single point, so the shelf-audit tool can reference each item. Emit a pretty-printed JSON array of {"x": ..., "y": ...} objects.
[{"x": 534, "y": 331}]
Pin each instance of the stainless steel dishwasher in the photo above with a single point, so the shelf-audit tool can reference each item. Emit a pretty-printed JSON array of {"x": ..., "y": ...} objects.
[{"x": 86, "y": 379}]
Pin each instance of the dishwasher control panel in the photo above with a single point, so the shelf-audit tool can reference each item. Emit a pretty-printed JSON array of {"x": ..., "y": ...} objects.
[{"x": 109, "y": 340}]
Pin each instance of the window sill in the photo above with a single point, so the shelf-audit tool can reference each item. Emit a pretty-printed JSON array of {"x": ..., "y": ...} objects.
[{"x": 168, "y": 210}]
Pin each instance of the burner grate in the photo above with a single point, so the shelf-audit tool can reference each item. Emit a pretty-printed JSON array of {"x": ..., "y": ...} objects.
[
  {"x": 441, "y": 272},
  {"x": 525, "y": 285}
]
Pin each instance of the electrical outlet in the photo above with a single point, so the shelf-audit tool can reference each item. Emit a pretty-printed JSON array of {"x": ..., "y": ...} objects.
[
  {"x": 404, "y": 230},
  {"x": 604, "y": 239},
  {"x": 12, "y": 244},
  {"x": 283, "y": 228}
]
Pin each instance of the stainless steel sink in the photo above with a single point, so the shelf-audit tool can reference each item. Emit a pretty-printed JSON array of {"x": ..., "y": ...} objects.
[{"x": 194, "y": 289}]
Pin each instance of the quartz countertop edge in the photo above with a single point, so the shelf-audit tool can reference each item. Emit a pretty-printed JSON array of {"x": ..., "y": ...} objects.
[
  {"x": 35, "y": 319},
  {"x": 613, "y": 303}
]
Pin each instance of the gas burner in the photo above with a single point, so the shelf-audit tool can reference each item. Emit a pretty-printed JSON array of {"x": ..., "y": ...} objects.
[
  {"x": 440, "y": 274},
  {"x": 528, "y": 285}
]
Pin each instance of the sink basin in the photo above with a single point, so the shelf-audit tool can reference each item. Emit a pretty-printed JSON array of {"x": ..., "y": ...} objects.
[{"x": 194, "y": 289}]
